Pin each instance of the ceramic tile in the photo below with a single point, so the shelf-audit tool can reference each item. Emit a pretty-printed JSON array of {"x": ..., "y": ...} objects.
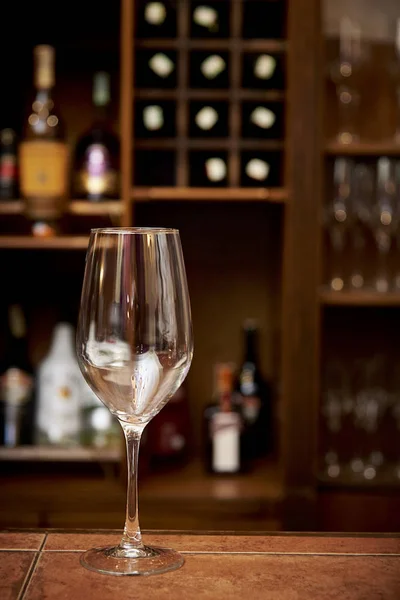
[
  {"x": 10, "y": 540},
  {"x": 216, "y": 577},
  {"x": 14, "y": 567}
]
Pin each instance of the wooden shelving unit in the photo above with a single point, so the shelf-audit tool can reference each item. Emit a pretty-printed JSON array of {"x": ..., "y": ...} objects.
[
  {"x": 191, "y": 194},
  {"x": 55, "y": 454},
  {"x": 21, "y": 242},
  {"x": 363, "y": 149},
  {"x": 74, "y": 207},
  {"x": 359, "y": 298},
  {"x": 248, "y": 250}
]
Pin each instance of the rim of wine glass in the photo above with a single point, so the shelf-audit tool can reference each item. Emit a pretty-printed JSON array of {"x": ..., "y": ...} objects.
[{"x": 134, "y": 230}]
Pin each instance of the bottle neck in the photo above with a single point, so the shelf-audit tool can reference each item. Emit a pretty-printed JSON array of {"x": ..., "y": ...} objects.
[
  {"x": 17, "y": 345},
  {"x": 62, "y": 344},
  {"x": 251, "y": 346}
]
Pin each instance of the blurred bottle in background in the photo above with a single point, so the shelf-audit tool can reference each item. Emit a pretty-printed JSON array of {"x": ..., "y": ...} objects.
[
  {"x": 169, "y": 433},
  {"x": 255, "y": 398},
  {"x": 59, "y": 381},
  {"x": 8, "y": 165},
  {"x": 43, "y": 153},
  {"x": 223, "y": 426},
  {"x": 16, "y": 383},
  {"x": 96, "y": 160}
]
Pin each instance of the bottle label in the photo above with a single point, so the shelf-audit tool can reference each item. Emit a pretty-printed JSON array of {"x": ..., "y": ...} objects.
[
  {"x": 8, "y": 169},
  {"x": 43, "y": 174},
  {"x": 15, "y": 386},
  {"x": 59, "y": 410},
  {"x": 225, "y": 435},
  {"x": 251, "y": 407},
  {"x": 97, "y": 178}
]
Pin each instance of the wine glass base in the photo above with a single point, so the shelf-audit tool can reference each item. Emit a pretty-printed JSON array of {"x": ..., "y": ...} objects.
[{"x": 114, "y": 560}]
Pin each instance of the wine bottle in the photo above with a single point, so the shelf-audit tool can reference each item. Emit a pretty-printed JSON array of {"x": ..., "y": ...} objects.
[
  {"x": 223, "y": 426},
  {"x": 169, "y": 433},
  {"x": 16, "y": 383},
  {"x": 8, "y": 165},
  {"x": 43, "y": 152},
  {"x": 96, "y": 158},
  {"x": 263, "y": 71},
  {"x": 255, "y": 398},
  {"x": 59, "y": 380}
]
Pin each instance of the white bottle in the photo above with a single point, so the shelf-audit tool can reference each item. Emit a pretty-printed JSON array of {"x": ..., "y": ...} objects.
[{"x": 59, "y": 412}]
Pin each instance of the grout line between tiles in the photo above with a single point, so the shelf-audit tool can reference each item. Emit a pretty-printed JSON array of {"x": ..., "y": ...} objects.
[
  {"x": 258, "y": 553},
  {"x": 32, "y": 569}
]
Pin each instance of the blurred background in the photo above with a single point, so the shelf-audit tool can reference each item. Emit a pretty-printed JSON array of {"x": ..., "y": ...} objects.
[{"x": 268, "y": 132}]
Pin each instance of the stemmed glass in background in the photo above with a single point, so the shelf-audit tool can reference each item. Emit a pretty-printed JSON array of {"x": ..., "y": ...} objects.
[
  {"x": 383, "y": 218},
  {"x": 346, "y": 72},
  {"x": 134, "y": 346},
  {"x": 337, "y": 220}
]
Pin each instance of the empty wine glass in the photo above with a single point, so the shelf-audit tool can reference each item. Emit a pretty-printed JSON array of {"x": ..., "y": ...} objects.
[{"x": 134, "y": 346}]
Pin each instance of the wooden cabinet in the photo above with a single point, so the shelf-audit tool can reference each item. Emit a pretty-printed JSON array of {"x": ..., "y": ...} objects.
[{"x": 253, "y": 247}]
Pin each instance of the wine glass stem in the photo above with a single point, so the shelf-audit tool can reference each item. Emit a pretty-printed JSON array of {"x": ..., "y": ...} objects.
[{"x": 132, "y": 538}]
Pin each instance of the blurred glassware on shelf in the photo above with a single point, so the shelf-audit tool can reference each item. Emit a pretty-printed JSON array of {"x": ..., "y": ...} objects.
[
  {"x": 384, "y": 218},
  {"x": 346, "y": 73},
  {"x": 337, "y": 218}
]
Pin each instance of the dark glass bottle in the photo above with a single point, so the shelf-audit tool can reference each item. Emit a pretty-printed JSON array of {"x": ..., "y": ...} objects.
[
  {"x": 97, "y": 153},
  {"x": 16, "y": 383},
  {"x": 255, "y": 398},
  {"x": 43, "y": 152},
  {"x": 222, "y": 424},
  {"x": 169, "y": 433},
  {"x": 8, "y": 165}
]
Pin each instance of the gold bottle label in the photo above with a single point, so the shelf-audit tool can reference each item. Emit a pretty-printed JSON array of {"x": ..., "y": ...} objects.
[
  {"x": 44, "y": 67},
  {"x": 43, "y": 177}
]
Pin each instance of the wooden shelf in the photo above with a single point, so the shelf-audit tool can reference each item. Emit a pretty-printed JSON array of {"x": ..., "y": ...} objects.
[
  {"x": 256, "y": 45},
  {"x": 330, "y": 298},
  {"x": 363, "y": 149},
  {"x": 51, "y": 243},
  {"x": 74, "y": 207},
  {"x": 203, "y": 94},
  {"x": 185, "y": 498},
  {"x": 53, "y": 454},
  {"x": 192, "y": 194},
  {"x": 382, "y": 480},
  {"x": 209, "y": 144}
]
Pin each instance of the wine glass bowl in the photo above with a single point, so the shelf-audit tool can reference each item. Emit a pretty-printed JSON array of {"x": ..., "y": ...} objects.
[{"x": 135, "y": 347}]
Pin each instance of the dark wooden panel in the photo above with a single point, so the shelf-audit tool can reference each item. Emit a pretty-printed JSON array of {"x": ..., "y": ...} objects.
[{"x": 301, "y": 259}]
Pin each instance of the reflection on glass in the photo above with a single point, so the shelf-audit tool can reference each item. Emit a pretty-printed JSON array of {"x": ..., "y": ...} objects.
[{"x": 134, "y": 345}]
